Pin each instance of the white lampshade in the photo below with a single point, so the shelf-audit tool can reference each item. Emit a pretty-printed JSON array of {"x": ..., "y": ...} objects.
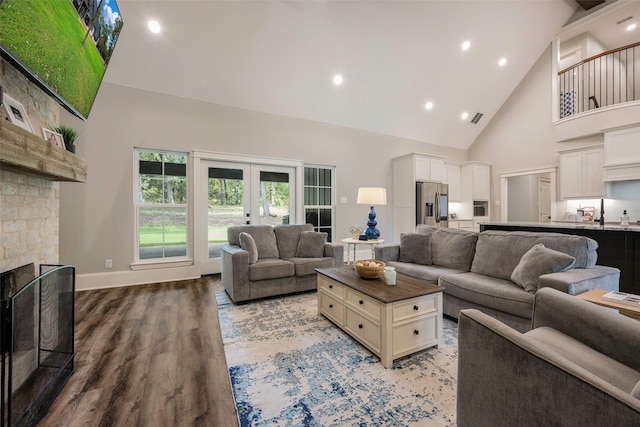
[{"x": 372, "y": 196}]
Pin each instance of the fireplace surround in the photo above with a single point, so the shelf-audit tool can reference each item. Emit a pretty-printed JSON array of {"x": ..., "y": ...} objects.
[{"x": 36, "y": 339}]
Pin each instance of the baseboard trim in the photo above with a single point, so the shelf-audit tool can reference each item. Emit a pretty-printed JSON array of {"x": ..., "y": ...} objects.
[{"x": 116, "y": 279}]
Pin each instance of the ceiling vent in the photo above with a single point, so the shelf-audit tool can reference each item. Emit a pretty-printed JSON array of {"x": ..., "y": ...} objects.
[
  {"x": 476, "y": 118},
  {"x": 588, "y": 4}
]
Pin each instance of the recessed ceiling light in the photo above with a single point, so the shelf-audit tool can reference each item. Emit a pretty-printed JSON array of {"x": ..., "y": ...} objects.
[
  {"x": 337, "y": 79},
  {"x": 428, "y": 105},
  {"x": 502, "y": 62},
  {"x": 466, "y": 45},
  {"x": 464, "y": 115},
  {"x": 154, "y": 26},
  {"x": 631, "y": 27}
]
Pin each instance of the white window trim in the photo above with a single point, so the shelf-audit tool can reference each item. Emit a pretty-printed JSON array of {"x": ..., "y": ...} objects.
[{"x": 154, "y": 263}]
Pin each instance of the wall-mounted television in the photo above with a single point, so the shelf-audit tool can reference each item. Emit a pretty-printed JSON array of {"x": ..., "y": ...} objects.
[{"x": 63, "y": 46}]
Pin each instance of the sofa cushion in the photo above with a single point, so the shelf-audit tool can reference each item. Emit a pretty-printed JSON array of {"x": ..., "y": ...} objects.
[
  {"x": 288, "y": 237},
  {"x": 248, "y": 244},
  {"x": 453, "y": 248},
  {"x": 498, "y": 294},
  {"x": 415, "y": 248},
  {"x": 615, "y": 373},
  {"x": 306, "y": 266},
  {"x": 499, "y": 252},
  {"x": 311, "y": 244},
  {"x": 426, "y": 272},
  {"x": 270, "y": 268},
  {"x": 537, "y": 261}
]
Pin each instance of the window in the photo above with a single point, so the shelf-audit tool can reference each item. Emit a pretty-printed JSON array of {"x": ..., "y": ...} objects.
[
  {"x": 319, "y": 195},
  {"x": 161, "y": 207}
]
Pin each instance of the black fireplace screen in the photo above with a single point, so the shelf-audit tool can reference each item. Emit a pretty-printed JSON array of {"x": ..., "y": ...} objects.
[{"x": 36, "y": 341}]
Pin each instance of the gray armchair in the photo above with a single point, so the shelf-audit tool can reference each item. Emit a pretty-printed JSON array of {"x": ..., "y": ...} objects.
[
  {"x": 274, "y": 260},
  {"x": 578, "y": 366}
]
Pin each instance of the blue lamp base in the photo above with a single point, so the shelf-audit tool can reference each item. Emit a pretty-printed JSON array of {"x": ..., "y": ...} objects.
[{"x": 372, "y": 232}]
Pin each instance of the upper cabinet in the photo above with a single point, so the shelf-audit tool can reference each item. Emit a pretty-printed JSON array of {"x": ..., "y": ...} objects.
[
  {"x": 622, "y": 154},
  {"x": 428, "y": 168},
  {"x": 452, "y": 178},
  {"x": 581, "y": 173},
  {"x": 406, "y": 171},
  {"x": 475, "y": 181}
]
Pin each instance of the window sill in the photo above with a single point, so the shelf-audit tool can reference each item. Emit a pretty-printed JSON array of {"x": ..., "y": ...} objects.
[{"x": 161, "y": 263}]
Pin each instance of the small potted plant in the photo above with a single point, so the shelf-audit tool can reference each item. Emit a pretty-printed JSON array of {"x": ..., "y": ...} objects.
[{"x": 69, "y": 135}]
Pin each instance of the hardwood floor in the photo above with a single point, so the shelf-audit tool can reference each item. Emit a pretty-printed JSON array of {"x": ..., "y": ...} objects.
[{"x": 148, "y": 355}]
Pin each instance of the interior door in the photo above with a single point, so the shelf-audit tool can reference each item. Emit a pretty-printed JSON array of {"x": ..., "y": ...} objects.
[{"x": 544, "y": 201}]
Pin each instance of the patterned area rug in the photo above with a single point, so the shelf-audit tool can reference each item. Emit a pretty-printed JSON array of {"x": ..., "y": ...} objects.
[{"x": 291, "y": 367}]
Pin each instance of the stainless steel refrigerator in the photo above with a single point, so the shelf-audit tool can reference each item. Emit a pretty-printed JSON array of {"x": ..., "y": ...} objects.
[{"x": 432, "y": 204}]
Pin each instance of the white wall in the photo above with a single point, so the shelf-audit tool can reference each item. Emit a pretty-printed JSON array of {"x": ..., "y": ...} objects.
[
  {"x": 97, "y": 218},
  {"x": 521, "y": 136}
]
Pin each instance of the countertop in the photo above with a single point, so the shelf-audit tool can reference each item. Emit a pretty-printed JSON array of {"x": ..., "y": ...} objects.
[{"x": 608, "y": 226}]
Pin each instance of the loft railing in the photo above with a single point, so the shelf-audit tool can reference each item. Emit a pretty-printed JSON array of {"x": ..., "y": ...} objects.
[{"x": 609, "y": 78}]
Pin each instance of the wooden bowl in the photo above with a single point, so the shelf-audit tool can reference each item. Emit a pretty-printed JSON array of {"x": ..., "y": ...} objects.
[{"x": 367, "y": 270}]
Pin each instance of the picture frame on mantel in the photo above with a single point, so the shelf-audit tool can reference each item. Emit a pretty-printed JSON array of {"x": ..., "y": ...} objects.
[
  {"x": 17, "y": 114},
  {"x": 54, "y": 138}
]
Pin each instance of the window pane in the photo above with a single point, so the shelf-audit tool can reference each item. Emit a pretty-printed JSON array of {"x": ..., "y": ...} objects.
[
  {"x": 151, "y": 189},
  {"x": 162, "y": 232},
  {"x": 311, "y": 217},
  {"x": 325, "y": 177},
  {"x": 325, "y": 196},
  {"x": 325, "y": 217},
  {"x": 310, "y": 176},
  {"x": 310, "y": 196}
]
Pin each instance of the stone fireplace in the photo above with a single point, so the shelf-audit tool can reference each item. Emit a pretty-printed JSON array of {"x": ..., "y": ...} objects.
[{"x": 30, "y": 171}]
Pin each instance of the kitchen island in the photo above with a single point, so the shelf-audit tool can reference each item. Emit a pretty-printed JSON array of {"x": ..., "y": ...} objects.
[{"x": 617, "y": 246}]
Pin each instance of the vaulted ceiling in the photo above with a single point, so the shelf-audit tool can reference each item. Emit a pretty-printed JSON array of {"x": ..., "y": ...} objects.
[{"x": 280, "y": 57}]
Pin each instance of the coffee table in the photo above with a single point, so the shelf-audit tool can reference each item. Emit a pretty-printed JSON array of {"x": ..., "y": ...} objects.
[
  {"x": 391, "y": 321},
  {"x": 595, "y": 296}
]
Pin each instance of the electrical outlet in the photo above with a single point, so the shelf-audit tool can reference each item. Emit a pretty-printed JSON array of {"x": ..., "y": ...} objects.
[{"x": 108, "y": 263}]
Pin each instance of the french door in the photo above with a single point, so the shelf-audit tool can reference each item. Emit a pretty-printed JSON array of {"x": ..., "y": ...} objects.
[{"x": 236, "y": 193}]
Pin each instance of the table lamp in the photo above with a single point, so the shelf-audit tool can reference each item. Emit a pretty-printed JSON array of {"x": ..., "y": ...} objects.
[{"x": 372, "y": 196}]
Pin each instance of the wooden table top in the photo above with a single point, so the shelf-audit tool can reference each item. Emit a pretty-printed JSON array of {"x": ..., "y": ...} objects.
[
  {"x": 595, "y": 296},
  {"x": 406, "y": 287}
]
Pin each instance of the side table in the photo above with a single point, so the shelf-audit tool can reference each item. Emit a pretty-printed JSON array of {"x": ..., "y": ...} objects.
[{"x": 353, "y": 243}]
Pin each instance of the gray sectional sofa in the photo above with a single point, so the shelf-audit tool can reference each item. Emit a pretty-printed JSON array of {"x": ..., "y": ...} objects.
[
  {"x": 498, "y": 272},
  {"x": 578, "y": 366},
  {"x": 261, "y": 261}
]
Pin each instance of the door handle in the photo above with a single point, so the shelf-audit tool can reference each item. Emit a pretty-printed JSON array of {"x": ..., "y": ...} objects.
[{"x": 436, "y": 214}]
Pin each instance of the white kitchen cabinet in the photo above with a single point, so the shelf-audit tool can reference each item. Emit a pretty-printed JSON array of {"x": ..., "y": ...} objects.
[
  {"x": 475, "y": 186},
  {"x": 622, "y": 154},
  {"x": 581, "y": 173},
  {"x": 406, "y": 171},
  {"x": 481, "y": 175},
  {"x": 452, "y": 179},
  {"x": 428, "y": 169}
]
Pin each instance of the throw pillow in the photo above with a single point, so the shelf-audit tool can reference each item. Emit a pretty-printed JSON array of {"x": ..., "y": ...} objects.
[
  {"x": 537, "y": 261},
  {"x": 415, "y": 248},
  {"x": 248, "y": 244},
  {"x": 311, "y": 244}
]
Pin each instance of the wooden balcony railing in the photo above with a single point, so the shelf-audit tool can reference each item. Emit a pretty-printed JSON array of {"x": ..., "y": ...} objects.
[{"x": 609, "y": 78}]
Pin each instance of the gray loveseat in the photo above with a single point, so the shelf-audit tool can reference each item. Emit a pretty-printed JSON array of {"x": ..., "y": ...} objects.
[
  {"x": 477, "y": 269},
  {"x": 274, "y": 260},
  {"x": 578, "y": 366}
]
